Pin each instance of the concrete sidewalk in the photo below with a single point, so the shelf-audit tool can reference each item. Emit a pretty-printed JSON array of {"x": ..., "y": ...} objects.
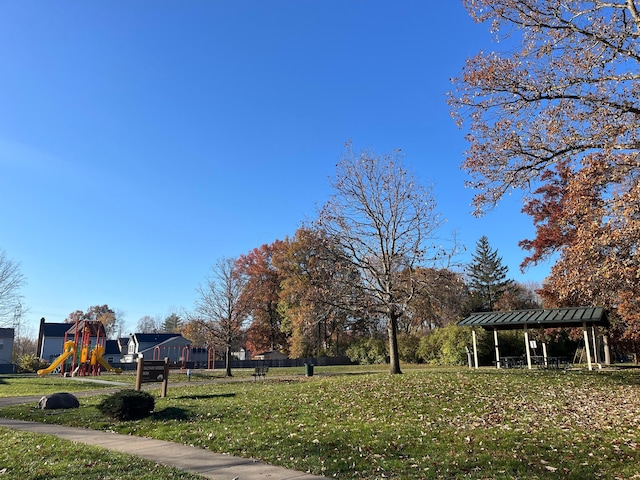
[{"x": 192, "y": 459}]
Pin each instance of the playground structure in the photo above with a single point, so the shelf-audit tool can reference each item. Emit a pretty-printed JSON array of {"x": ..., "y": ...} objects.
[{"x": 85, "y": 360}]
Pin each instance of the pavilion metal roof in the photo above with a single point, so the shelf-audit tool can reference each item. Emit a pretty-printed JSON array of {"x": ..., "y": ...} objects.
[{"x": 538, "y": 318}]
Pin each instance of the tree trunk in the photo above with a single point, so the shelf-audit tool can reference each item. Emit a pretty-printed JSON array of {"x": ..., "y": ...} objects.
[
  {"x": 227, "y": 358},
  {"x": 394, "y": 355}
]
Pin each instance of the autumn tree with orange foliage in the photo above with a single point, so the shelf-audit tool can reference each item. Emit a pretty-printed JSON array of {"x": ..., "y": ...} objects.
[
  {"x": 260, "y": 298},
  {"x": 100, "y": 313},
  {"x": 317, "y": 300},
  {"x": 559, "y": 114}
]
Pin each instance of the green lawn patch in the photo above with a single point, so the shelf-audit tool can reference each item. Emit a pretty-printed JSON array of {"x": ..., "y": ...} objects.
[
  {"x": 27, "y": 385},
  {"x": 26, "y": 455},
  {"x": 427, "y": 423}
]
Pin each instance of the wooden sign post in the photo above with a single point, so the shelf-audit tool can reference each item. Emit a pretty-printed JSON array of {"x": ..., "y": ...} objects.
[{"x": 151, "y": 371}]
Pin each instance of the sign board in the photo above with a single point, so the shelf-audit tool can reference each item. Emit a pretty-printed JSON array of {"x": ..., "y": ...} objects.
[
  {"x": 150, "y": 371},
  {"x": 153, "y": 371}
]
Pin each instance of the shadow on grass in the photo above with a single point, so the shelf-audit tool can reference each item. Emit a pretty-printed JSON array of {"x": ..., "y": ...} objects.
[
  {"x": 348, "y": 374},
  {"x": 205, "y": 397},
  {"x": 627, "y": 375},
  {"x": 172, "y": 413}
]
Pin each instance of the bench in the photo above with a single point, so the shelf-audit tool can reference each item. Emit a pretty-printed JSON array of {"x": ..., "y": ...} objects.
[
  {"x": 512, "y": 362},
  {"x": 260, "y": 372},
  {"x": 538, "y": 361}
]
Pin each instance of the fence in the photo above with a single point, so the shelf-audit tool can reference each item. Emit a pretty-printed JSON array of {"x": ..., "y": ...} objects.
[
  {"x": 8, "y": 368},
  {"x": 285, "y": 362}
]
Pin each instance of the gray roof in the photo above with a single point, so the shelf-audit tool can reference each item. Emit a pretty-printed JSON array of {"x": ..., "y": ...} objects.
[
  {"x": 55, "y": 329},
  {"x": 155, "y": 337},
  {"x": 111, "y": 347},
  {"x": 538, "y": 318}
]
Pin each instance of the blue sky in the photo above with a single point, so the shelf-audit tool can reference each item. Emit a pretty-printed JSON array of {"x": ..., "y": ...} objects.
[{"x": 142, "y": 141}]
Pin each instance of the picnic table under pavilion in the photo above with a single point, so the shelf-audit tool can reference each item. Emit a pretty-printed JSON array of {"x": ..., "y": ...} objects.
[{"x": 537, "y": 319}]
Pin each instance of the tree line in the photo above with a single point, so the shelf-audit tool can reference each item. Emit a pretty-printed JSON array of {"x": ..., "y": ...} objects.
[
  {"x": 299, "y": 296},
  {"x": 370, "y": 266}
]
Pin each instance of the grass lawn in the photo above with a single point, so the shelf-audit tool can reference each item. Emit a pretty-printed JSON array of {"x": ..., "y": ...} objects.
[
  {"x": 26, "y": 455},
  {"x": 427, "y": 423},
  {"x": 27, "y": 385},
  {"x": 31, "y": 384}
]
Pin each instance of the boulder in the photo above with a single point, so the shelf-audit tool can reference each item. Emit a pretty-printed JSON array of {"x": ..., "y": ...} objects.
[{"x": 58, "y": 400}]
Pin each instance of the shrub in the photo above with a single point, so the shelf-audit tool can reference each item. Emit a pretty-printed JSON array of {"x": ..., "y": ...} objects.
[
  {"x": 368, "y": 351},
  {"x": 127, "y": 405},
  {"x": 408, "y": 347},
  {"x": 511, "y": 343},
  {"x": 29, "y": 363},
  {"x": 446, "y": 346}
]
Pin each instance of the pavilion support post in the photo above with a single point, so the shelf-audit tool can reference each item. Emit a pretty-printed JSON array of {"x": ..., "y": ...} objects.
[
  {"x": 475, "y": 348},
  {"x": 594, "y": 339},
  {"x": 527, "y": 346},
  {"x": 607, "y": 352},
  {"x": 586, "y": 345},
  {"x": 495, "y": 341},
  {"x": 544, "y": 354}
]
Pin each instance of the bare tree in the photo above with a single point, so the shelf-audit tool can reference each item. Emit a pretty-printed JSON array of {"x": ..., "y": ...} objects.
[
  {"x": 219, "y": 308},
  {"x": 117, "y": 330},
  {"x": 149, "y": 324},
  {"x": 441, "y": 299},
  {"x": 382, "y": 219},
  {"x": 11, "y": 280},
  {"x": 23, "y": 345}
]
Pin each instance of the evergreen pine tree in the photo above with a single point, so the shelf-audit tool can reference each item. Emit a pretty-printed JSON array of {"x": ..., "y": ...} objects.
[
  {"x": 172, "y": 324},
  {"x": 487, "y": 276}
]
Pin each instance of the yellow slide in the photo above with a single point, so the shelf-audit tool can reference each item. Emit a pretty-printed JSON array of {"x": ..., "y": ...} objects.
[
  {"x": 68, "y": 350},
  {"x": 96, "y": 356}
]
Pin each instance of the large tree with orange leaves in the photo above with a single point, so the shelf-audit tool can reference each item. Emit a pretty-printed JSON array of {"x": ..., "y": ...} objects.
[
  {"x": 317, "y": 299},
  {"x": 260, "y": 297},
  {"x": 100, "y": 313},
  {"x": 560, "y": 113}
]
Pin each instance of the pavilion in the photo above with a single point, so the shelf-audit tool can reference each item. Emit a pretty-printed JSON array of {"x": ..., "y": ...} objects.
[{"x": 538, "y": 319}]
